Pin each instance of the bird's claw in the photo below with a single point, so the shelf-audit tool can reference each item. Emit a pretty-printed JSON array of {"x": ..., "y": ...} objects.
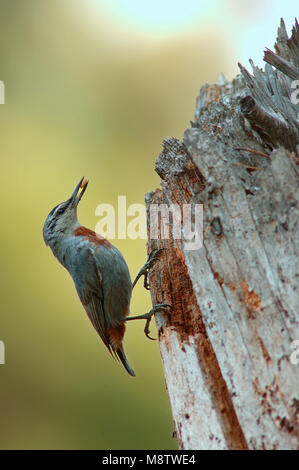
[
  {"x": 152, "y": 258},
  {"x": 154, "y": 310},
  {"x": 147, "y": 331},
  {"x": 144, "y": 271}
]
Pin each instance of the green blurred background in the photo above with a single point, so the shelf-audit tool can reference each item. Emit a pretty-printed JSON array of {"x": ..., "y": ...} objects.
[{"x": 91, "y": 88}]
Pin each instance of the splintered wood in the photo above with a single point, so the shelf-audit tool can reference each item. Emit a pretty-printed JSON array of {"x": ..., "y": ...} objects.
[{"x": 227, "y": 343}]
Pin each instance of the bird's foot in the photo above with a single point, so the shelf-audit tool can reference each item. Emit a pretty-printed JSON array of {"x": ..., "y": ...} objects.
[
  {"x": 144, "y": 271},
  {"x": 148, "y": 316},
  {"x": 156, "y": 308}
]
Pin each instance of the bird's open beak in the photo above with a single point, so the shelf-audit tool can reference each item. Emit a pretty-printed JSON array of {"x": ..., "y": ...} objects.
[{"x": 77, "y": 194}]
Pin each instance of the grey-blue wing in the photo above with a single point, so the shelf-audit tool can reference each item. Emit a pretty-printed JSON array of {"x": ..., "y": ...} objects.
[
  {"x": 103, "y": 283},
  {"x": 104, "y": 286},
  {"x": 88, "y": 282},
  {"x": 116, "y": 284}
]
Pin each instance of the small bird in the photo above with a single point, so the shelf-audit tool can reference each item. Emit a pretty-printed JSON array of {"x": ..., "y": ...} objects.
[{"x": 99, "y": 271}]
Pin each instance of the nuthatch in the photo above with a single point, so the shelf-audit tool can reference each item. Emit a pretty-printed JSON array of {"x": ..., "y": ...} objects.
[{"x": 99, "y": 271}]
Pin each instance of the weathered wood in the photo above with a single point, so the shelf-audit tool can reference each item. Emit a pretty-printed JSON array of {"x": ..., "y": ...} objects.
[{"x": 227, "y": 342}]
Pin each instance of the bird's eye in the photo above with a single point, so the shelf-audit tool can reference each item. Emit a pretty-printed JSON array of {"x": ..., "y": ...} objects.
[{"x": 60, "y": 211}]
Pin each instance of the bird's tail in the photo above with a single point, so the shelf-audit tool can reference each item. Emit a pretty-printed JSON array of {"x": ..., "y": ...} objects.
[
  {"x": 114, "y": 344},
  {"x": 121, "y": 354}
]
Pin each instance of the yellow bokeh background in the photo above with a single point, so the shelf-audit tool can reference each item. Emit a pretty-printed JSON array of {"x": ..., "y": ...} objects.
[{"x": 85, "y": 94}]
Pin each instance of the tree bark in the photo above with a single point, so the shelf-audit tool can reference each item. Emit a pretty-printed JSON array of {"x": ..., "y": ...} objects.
[{"x": 226, "y": 345}]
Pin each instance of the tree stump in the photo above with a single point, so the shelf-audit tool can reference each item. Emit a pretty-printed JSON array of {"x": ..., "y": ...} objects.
[{"x": 227, "y": 343}]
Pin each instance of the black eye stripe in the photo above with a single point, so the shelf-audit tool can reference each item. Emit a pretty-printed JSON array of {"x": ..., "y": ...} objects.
[{"x": 61, "y": 210}]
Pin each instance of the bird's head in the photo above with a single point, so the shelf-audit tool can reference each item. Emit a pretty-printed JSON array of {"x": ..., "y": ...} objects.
[{"x": 63, "y": 218}]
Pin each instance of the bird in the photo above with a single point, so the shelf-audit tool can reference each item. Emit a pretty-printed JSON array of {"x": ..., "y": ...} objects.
[{"x": 99, "y": 271}]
